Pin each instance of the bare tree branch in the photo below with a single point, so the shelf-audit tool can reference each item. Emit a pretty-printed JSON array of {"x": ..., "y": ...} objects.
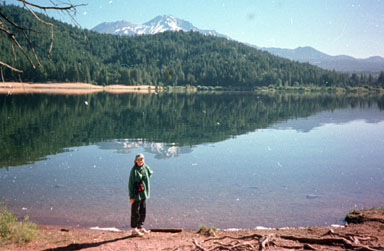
[
  {"x": 10, "y": 21},
  {"x": 46, "y": 23},
  {"x": 68, "y": 7},
  {"x": 13, "y": 38},
  {"x": 10, "y": 67},
  {"x": 5, "y": 30}
]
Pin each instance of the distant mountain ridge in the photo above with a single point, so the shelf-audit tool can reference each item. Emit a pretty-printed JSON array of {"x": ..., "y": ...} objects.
[
  {"x": 339, "y": 63},
  {"x": 153, "y": 26}
]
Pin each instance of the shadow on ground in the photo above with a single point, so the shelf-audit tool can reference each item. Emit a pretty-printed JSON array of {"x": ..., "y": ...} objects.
[{"x": 80, "y": 246}]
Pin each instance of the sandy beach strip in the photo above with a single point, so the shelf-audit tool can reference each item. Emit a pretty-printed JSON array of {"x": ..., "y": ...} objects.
[{"x": 77, "y": 88}]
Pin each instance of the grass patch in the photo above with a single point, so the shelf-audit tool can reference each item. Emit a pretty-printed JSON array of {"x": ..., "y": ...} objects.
[
  {"x": 380, "y": 209},
  {"x": 13, "y": 231},
  {"x": 207, "y": 231}
]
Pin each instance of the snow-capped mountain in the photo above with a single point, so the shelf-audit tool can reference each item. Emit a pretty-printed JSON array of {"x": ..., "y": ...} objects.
[
  {"x": 112, "y": 27},
  {"x": 156, "y": 25},
  {"x": 166, "y": 23}
]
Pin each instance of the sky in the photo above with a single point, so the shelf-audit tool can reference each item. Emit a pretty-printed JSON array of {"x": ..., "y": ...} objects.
[{"x": 335, "y": 27}]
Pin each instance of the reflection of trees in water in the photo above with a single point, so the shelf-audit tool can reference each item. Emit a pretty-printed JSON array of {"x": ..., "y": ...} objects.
[
  {"x": 33, "y": 126},
  {"x": 161, "y": 150},
  {"x": 380, "y": 102}
]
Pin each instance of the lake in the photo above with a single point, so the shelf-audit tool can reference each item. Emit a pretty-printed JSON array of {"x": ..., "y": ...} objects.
[{"x": 233, "y": 160}]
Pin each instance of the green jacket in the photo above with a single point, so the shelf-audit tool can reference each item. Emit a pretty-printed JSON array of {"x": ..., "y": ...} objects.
[{"x": 139, "y": 175}]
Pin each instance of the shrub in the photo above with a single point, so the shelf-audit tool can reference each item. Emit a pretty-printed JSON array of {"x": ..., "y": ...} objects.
[
  {"x": 15, "y": 231},
  {"x": 207, "y": 231}
]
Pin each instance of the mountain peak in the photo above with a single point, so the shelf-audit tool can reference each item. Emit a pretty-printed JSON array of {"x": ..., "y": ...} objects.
[
  {"x": 164, "y": 17},
  {"x": 161, "y": 19},
  {"x": 111, "y": 27},
  {"x": 158, "y": 24},
  {"x": 167, "y": 23}
]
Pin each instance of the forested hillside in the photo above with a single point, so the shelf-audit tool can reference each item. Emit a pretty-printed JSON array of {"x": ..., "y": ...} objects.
[{"x": 170, "y": 58}]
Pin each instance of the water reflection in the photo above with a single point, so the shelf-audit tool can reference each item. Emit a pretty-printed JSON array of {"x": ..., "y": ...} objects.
[
  {"x": 345, "y": 116},
  {"x": 160, "y": 150},
  {"x": 225, "y": 160},
  {"x": 34, "y": 126}
]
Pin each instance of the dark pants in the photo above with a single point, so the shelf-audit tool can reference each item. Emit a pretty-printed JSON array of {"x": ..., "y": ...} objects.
[{"x": 138, "y": 212}]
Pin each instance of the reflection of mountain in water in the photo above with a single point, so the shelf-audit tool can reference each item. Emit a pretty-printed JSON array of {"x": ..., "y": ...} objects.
[
  {"x": 338, "y": 116},
  {"x": 34, "y": 126},
  {"x": 161, "y": 150}
]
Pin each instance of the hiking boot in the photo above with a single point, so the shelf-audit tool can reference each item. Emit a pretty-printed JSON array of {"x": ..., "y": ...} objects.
[
  {"x": 144, "y": 231},
  {"x": 136, "y": 232}
]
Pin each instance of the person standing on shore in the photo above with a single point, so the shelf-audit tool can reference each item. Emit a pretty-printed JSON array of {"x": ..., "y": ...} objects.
[{"x": 139, "y": 192}]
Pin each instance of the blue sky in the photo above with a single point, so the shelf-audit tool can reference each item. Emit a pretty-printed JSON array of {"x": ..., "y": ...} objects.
[{"x": 335, "y": 27}]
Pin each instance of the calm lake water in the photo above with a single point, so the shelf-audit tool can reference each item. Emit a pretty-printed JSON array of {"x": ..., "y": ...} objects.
[{"x": 228, "y": 160}]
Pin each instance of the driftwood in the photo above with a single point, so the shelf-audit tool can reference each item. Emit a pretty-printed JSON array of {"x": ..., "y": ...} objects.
[
  {"x": 328, "y": 242},
  {"x": 306, "y": 240},
  {"x": 197, "y": 245},
  {"x": 266, "y": 241},
  {"x": 262, "y": 242},
  {"x": 252, "y": 236},
  {"x": 355, "y": 238},
  {"x": 167, "y": 230}
]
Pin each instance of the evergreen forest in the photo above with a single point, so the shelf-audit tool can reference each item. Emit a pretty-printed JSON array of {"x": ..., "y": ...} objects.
[{"x": 164, "y": 59}]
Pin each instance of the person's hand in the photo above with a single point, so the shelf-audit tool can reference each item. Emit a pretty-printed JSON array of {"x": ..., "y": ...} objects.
[{"x": 132, "y": 200}]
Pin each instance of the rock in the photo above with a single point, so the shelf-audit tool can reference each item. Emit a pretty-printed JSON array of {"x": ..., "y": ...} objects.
[{"x": 312, "y": 196}]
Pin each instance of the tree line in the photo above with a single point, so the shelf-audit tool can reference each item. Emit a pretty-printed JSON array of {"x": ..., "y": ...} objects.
[{"x": 164, "y": 59}]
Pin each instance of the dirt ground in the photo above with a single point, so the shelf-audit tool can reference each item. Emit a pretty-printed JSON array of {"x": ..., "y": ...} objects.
[
  {"x": 364, "y": 232},
  {"x": 71, "y": 88}
]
